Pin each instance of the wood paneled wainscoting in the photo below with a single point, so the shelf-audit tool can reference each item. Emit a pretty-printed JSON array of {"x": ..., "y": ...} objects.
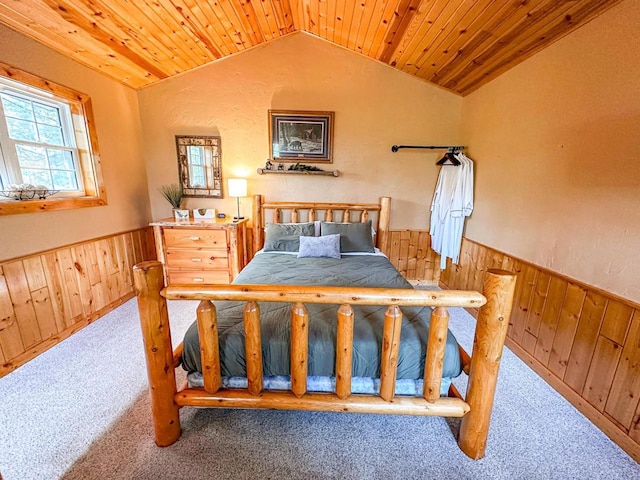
[
  {"x": 46, "y": 297},
  {"x": 583, "y": 341},
  {"x": 410, "y": 252}
]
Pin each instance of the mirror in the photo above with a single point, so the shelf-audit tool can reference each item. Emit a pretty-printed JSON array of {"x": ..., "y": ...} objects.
[{"x": 200, "y": 165}]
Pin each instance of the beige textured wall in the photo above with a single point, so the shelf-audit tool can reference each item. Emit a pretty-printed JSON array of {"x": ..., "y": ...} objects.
[
  {"x": 115, "y": 109},
  {"x": 375, "y": 107},
  {"x": 556, "y": 142}
]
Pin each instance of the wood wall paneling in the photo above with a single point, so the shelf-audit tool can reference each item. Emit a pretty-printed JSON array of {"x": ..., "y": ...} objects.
[
  {"x": 410, "y": 252},
  {"x": 567, "y": 325},
  {"x": 549, "y": 320},
  {"x": 599, "y": 380},
  {"x": 46, "y": 297},
  {"x": 583, "y": 341},
  {"x": 625, "y": 389},
  {"x": 534, "y": 317},
  {"x": 10, "y": 339}
]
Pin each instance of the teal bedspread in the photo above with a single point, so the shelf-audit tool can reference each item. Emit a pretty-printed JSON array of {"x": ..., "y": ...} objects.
[{"x": 357, "y": 270}]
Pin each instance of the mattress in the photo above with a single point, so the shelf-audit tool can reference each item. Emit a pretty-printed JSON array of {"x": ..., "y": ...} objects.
[{"x": 275, "y": 319}]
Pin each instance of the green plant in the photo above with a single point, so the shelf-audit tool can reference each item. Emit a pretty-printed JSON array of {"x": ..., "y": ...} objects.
[{"x": 173, "y": 193}]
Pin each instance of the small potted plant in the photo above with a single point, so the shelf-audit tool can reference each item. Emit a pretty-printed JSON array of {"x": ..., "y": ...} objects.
[{"x": 173, "y": 194}]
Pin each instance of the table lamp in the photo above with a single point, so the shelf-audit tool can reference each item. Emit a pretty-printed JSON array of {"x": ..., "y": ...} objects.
[{"x": 238, "y": 188}]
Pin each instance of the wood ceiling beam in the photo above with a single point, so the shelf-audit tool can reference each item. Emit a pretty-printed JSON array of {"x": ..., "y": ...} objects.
[
  {"x": 249, "y": 13},
  {"x": 481, "y": 37},
  {"x": 39, "y": 23},
  {"x": 290, "y": 15},
  {"x": 407, "y": 56},
  {"x": 560, "y": 27},
  {"x": 375, "y": 38},
  {"x": 407, "y": 9},
  {"x": 74, "y": 17},
  {"x": 527, "y": 26},
  {"x": 120, "y": 17},
  {"x": 170, "y": 29},
  {"x": 296, "y": 8}
]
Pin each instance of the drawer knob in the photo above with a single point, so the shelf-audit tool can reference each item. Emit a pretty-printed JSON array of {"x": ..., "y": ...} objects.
[
  {"x": 194, "y": 238},
  {"x": 196, "y": 260},
  {"x": 198, "y": 279}
]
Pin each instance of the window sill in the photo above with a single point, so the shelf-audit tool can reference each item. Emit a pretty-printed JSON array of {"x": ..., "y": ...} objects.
[{"x": 15, "y": 207}]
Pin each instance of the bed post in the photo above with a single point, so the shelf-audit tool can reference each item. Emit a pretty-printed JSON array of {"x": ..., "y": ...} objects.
[
  {"x": 258, "y": 228},
  {"x": 154, "y": 320},
  {"x": 383, "y": 223},
  {"x": 491, "y": 331}
]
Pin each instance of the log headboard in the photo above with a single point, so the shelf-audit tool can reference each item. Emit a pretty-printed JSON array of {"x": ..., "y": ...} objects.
[{"x": 279, "y": 212}]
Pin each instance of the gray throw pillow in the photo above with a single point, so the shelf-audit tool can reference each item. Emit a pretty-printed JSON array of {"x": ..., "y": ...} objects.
[
  {"x": 284, "y": 237},
  {"x": 354, "y": 237},
  {"x": 326, "y": 246}
]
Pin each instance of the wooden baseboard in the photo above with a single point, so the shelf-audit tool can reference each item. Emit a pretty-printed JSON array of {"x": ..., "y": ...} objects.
[{"x": 601, "y": 421}]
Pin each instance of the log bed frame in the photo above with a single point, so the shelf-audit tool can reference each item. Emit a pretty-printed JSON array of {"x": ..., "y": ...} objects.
[{"x": 482, "y": 367}]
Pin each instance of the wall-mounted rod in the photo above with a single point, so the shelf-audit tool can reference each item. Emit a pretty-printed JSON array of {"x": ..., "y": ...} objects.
[{"x": 395, "y": 148}]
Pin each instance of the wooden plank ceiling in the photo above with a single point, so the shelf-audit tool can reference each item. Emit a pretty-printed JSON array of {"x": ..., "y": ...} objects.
[{"x": 456, "y": 44}]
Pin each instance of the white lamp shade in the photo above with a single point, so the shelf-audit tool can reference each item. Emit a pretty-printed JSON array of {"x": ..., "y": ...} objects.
[{"x": 237, "y": 187}]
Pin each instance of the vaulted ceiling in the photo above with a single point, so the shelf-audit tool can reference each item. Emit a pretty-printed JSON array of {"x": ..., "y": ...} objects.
[{"x": 456, "y": 44}]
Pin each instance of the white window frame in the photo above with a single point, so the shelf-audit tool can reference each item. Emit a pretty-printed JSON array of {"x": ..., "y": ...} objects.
[
  {"x": 10, "y": 170},
  {"x": 80, "y": 127}
]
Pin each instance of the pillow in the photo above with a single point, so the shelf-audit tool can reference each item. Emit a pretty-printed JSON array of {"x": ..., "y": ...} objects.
[
  {"x": 284, "y": 243},
  {"x": 354, "y": 237},
  {"x": 326, "y": 246},
  {"x": 285, "y": 237}
]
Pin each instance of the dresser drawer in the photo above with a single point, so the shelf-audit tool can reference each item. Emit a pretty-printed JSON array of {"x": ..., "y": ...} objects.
[
  {"x": 195, "y": 238},
  {"x": 216, "y": 259},
  {"x": 197, "y": 277},
  {"x": 199, "y": 253}
]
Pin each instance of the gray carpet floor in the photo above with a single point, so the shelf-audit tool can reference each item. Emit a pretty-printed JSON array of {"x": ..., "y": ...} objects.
[{"x": 81, "y": 411}]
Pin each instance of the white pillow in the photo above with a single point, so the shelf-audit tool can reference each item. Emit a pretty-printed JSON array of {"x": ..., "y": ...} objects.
[{"x": 314, "y": 247}]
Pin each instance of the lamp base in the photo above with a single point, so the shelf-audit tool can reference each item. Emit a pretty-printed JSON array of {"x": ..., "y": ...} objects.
[{"x": 237, "y": 218}]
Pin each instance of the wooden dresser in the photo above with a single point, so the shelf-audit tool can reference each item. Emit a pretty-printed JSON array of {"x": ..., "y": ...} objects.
[{"x": 202, "y": 251}]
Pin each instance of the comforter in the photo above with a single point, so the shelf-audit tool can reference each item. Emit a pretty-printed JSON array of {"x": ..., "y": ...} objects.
[{"x": 275, "y": 318}]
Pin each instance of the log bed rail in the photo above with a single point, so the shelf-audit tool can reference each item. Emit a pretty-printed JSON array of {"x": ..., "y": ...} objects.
[
  {"x": 475, "y": 409},
  {"x": 482, "y": 367}
]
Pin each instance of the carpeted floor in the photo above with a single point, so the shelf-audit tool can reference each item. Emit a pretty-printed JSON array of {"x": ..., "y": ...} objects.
[{"x": 81, "y": 411}]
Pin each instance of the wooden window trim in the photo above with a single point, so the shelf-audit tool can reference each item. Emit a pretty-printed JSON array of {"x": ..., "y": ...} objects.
[{"x": 89, "y": 160}]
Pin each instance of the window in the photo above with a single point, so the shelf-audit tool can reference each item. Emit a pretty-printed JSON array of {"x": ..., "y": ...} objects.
[{"x": 46, "y": 140}]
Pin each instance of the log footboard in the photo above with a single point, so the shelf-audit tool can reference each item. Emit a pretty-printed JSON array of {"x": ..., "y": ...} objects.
[{"x": 475, "y": 408}]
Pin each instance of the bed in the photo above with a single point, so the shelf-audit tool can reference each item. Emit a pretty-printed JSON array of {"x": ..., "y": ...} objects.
[{"x": 321, "y": 320}]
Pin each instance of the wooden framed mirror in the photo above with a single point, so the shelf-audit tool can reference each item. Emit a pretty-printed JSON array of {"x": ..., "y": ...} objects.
[{"x": 200, "y": 165}]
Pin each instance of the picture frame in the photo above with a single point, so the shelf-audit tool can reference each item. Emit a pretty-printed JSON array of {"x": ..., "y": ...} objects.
[
  {"x": 200, "y": 165},
  {"x": 296, "y": 136}
]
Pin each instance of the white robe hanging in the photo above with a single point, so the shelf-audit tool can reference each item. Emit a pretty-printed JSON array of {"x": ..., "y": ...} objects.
[{"x": 452, "y": 202}]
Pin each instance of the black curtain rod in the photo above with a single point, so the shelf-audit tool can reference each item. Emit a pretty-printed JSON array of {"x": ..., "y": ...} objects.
[{"x": 395, "y": 148}]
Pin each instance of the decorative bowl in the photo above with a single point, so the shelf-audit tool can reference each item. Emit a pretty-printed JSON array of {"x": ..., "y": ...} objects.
[{"x": 28, "y": 194}]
